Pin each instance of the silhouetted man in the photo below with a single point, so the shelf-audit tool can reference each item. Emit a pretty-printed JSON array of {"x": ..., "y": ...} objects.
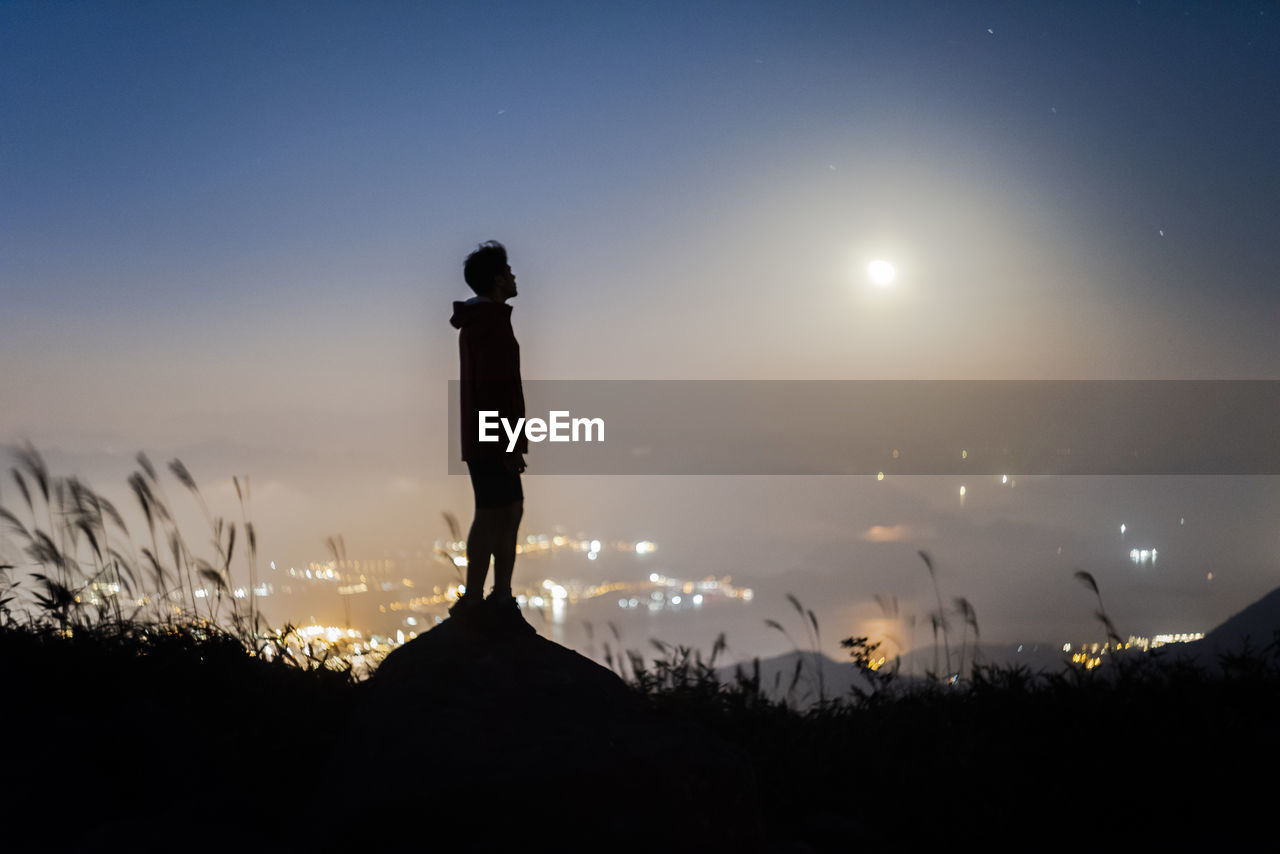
[{"x": 490, "y": 360}]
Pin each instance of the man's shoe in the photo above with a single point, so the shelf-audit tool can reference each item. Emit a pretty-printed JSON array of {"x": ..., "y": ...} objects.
[
  {"x": 503, "y": 613},
  {"x": 468, "y": 607}
]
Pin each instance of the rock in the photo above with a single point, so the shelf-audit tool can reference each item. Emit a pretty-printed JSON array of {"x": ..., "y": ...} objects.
[{"x": 518, "y": 737}]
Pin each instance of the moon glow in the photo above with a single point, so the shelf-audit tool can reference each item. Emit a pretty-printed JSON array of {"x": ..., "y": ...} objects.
[{"x": 882, "y": 272}]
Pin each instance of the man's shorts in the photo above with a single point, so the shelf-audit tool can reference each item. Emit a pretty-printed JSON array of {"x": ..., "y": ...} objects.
[{"x": 493, "y": 483}]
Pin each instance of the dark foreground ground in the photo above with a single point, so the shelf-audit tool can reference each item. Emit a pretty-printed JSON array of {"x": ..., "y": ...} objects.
[{"x": 169, "y": 741}]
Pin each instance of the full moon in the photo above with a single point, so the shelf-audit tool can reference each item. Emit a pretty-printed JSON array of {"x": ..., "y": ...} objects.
[{"x": 881, "y": 272}]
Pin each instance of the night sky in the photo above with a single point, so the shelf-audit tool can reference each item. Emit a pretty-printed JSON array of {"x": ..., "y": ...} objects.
[{"x": 231, "y": 232}]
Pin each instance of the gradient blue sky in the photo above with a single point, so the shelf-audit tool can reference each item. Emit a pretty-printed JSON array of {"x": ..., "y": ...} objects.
[{"x": 231, "y": 232}]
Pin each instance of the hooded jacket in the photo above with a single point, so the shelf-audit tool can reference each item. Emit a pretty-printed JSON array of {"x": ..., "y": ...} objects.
[{"x": 490, "y": 359}]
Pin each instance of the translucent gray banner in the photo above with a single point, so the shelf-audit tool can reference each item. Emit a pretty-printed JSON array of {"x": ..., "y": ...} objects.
[{"x": 719, "y": 427}]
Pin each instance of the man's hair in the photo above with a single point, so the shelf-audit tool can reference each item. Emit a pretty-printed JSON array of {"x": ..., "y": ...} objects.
[{"x": 483, "y": 265}]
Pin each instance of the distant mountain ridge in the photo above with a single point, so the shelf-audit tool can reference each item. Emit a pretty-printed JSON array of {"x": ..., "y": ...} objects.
[
  {"x": 1254, "y": 627},
  {"x": 839, "y": 678}
]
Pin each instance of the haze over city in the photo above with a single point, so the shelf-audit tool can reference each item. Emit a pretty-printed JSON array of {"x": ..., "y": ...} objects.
[{"x": 231, "y": 233}]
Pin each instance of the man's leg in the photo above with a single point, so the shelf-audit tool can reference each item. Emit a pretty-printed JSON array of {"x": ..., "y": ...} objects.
[
  {"x": 481, "y": 546},
  {"x": 504, "y": 550}
]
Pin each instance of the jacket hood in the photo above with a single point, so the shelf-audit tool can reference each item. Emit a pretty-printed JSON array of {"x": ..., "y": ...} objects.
[{"x": 475, "y": 312}]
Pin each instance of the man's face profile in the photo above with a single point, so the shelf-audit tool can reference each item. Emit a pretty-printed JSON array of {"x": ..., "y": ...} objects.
[{"x": 504, "y": 285}]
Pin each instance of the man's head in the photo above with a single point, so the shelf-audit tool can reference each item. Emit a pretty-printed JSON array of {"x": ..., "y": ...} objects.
[{"x": 488, "y": 273}]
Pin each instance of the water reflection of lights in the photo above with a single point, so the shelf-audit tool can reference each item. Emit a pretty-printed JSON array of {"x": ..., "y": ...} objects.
[{"x": 675, "y": 594}]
